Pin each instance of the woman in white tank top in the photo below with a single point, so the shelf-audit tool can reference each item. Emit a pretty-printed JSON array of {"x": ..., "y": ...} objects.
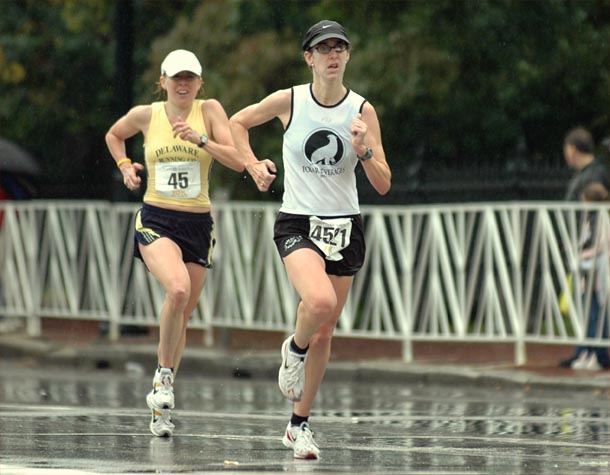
[{"x": 329, "y": 130}]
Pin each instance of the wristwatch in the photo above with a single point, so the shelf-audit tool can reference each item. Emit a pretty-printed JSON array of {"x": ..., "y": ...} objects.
[
  {"x": 204, "y": 140},
  {"x": 367, "y": 155}
]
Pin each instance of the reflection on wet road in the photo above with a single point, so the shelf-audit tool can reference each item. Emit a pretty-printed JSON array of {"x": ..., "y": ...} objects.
[{"x": 97, "y": 422}]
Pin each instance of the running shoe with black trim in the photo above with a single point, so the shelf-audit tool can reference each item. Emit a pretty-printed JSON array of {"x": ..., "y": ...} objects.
[
  {"x": 161, "y": 423},
  {"x": 291, "y": 377},
  {"x": 300, "y": 440},
  {"x": 162, "y": 394}
]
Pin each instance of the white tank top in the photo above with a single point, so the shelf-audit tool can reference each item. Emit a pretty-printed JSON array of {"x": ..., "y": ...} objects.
[{"x": 319, "y": 160}]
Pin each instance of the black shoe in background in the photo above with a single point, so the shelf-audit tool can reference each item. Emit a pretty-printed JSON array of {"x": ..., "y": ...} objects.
[{"x": 567, "y": 363}]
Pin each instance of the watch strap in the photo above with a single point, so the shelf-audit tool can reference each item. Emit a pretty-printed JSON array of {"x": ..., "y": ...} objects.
[{"x": 367, "y": 155}]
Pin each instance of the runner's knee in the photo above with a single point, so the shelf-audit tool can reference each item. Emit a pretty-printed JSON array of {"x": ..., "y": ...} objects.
[
  {"x": 178, "y": 295},
  {"x": 321, "y": 307}
]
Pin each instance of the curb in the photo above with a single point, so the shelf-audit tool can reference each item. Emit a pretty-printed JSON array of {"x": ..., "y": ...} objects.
[{"x": 263, "y": 365}]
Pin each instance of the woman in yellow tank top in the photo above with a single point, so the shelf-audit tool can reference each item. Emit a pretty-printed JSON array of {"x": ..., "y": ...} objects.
[{"x": 174, "y": 231}]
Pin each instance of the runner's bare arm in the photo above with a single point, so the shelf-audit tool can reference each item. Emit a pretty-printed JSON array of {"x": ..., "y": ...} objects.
[{"x": 274, "y": 105}]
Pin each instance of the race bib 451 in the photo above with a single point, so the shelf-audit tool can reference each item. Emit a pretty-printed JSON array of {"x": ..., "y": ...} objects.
[{"x": 330, "y": 235}]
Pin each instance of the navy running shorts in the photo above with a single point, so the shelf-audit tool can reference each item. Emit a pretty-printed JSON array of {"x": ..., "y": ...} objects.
[
  {"x": 294, "y": 231},
  {"x": 192, "y": 232}
]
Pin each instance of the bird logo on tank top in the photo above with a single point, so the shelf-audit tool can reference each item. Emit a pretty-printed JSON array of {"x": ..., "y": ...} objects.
[{"x": 324, "y": 147}]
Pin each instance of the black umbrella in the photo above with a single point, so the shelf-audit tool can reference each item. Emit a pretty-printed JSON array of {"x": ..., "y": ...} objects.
[{"x": 15, "y": 159}]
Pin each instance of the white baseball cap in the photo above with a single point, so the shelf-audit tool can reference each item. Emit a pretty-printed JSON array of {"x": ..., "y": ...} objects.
[{"x": 180, "y": 60}]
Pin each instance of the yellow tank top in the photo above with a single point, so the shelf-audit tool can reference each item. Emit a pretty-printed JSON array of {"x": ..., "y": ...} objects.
[{"x": 178, "y": 170}]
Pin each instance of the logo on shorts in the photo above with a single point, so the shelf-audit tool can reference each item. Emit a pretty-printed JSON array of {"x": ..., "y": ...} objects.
[
  {"x": 324, "y": 147},
  {"x": 290, "y": 242}
]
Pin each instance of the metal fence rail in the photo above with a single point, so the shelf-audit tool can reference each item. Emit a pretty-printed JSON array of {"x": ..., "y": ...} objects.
[{"x": 481, "y": 272}]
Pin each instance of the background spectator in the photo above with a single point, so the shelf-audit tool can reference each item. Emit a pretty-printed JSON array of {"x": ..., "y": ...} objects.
[{"x": 593, "y": 264}]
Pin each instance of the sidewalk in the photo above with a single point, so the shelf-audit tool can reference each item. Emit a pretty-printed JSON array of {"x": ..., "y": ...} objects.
[{"x": 240, "y": 353}]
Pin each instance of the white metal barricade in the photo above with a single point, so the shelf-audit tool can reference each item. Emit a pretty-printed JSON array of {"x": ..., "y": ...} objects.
[{"x": 469, "y": 272}]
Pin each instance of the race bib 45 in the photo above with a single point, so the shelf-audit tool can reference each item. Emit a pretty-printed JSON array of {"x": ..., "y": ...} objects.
[{"x": 178, "y": 179}]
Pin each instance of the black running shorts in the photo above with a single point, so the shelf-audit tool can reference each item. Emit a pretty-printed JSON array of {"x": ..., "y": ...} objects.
[
  {"x": 291, "y": 232},
  {"x": 192, "y": 232}
]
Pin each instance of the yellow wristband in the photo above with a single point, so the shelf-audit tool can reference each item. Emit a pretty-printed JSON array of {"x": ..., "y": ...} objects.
[{"x": 122, "y": 161}]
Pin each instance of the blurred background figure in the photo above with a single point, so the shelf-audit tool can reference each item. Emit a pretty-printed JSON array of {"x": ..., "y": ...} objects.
[
  {"x": 14, "y": 187},
  {"x": 593, "y": 263},
  {"x": 590, "y": 174},
  {"x": 17, "y": 167},
  {"x": 579, "y": 154}
]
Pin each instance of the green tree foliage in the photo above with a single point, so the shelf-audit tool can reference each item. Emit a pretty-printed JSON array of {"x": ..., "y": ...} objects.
[
  {"x": 458, "y": 85},
  {"x": 58, "y": 83},
  {"x": 461, "y": 85},
  {"x": 52, "y": 96}
]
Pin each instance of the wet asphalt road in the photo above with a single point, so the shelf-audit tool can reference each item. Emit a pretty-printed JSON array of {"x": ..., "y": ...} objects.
[{"x": 55, "y": 421}]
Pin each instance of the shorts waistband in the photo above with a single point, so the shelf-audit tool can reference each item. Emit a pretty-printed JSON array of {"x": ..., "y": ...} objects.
[
  {"x": 170, "y": 213},
  {"x": 307, "y": 216}
]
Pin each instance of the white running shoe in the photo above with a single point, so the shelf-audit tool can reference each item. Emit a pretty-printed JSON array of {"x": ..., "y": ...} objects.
[
  {"x": 161, "y": 423},
  {"x": 591, "y": 364},
  {"x": 300, "y": 440},
  {"x": 581, "y": 361},
  {"x": 162, "y": 394},
  {"x": 291, "y": 377}
]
